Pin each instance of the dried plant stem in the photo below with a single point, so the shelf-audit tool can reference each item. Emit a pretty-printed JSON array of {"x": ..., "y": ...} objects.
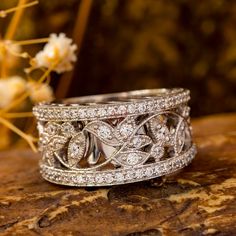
[
  {"x": 15, "y": 20},
  {"x": 18, "y": 115},
  {"x": 31, "y": 41},
  {"x": 10, "y": 10},
  {"x": 11, "y": 32},
  {"x": 78, "y": 34},
  {"x": 28, "y": 138}
]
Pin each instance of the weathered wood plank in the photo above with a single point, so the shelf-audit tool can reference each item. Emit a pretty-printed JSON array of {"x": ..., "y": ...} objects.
[{"x": 200, "y": 200}]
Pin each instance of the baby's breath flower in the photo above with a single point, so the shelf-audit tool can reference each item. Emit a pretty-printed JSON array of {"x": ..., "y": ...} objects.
[
  {"x": 10, "y": 88},
  {"x": 40, "y": 92},
  {"x": 58, "y": 52}
]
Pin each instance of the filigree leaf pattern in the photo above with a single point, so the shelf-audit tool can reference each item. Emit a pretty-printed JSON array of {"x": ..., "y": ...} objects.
[
  {"x": 125, "y": 128},
  {"x": 132, "y": 158},
  {"x": 67, "y": 129},
  {"x": 104, "y": 132},
  {"x": 139, "y": 141},
  {"x": 57, "y": 142},
  {"x": 52, "y": 128},
  {"x": 157, "y": 152},
  {"x": 48, "y": 157},
  {"x": 179, "y": 139},
  {"x": 160, "y": 131},
  {"x": 76, "y": 149}
]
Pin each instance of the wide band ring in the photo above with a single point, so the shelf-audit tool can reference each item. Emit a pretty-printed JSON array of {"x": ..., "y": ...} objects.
[{"x": 115, "y": 138}]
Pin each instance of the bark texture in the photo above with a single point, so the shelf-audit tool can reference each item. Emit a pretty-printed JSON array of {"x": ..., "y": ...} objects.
[{"x": 200, "y": 200}]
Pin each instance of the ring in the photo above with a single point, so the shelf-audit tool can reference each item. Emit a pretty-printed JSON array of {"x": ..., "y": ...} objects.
[{"x": 115, "y": 138}]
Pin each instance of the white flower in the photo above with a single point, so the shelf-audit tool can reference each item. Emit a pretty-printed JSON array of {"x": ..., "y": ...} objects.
[
  {"x": 10, "y": 88},
  {"x": 59, "y": 51},
  {"x": 40, "y": 92}
]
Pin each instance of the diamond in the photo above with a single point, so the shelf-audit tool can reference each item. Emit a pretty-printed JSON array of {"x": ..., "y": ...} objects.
[
  {"x": 91, "y": 112},
  {"x": 157, "y": 152},
  {"x": 139, "y": 173},
  {"x": 122, "y": 109},
  {"x": 141, "y": 107},
  {"x": 126, "y": 129},
  {"x": 131, "y": 108},
  {"x": 149, "y": 172},
  {"x": 130, "y": 174},
  {"x": 104, "y": 132},
  {"x": 52, "y": 128},
  {"x": 99, "y": 179},
  {"x": 120, "y": 177},
  {"x": 111, "y": 111},
  {"x": 90, "y": 179},
  {"x": 79, "y": 179},
  {"x": 109, "y": 178},
  {"x": 101, "y": 112},
  {"x": 67, "y": 129},
  {"x": 74, "y": 149},
  {"x": 139, "y": 141},
  {"x": 133, "y": 158},
  {"x": 82, "y": 113}
]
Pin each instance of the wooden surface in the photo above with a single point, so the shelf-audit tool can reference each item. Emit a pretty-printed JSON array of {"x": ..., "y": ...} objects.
[{"x": 200, "y": 200}]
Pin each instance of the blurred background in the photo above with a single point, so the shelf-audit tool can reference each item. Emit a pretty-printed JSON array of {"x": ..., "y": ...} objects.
[{"x": 139, "y": 44}]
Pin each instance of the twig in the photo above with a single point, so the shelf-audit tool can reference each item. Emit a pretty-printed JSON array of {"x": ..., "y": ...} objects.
[
  {"x": 28, "y": 138},
  {"x": 14, "y": 115},
  {"x": 78, "y": 34},
  {"x": 15, "y": 20},
  {"x": 3, "y": 13},
  {"x": 31, "y": 41}
]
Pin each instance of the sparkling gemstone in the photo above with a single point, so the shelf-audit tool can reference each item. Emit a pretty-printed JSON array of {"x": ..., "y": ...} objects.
[
  {"x": 131, "y": 108},
  {"x": 90, "y": 179},
  {"x": 104, "y": 132},
  {"x": 99, "y": 179},
  {"x": 149, "y": 172},
  {"x": 120, "y": 177},
  {"x": 82, "y": 113},
  {"x": 91, "y": 112},
  {"x": 130, "y": 174},
  {"x": 141, "y": 107},
  {"x": 67, "y": 128},
  {"x": 133, "y": 158},
  {"x": 126, "y": 129},
  {"x": 139, "y": 173},
  {"x": 137, "y": 141},
  {"x": 121, "y": 109},
  {"x": 111, "y": 111},
  {"x": 150, "y": 105},
  {"x": 157, "y": 152},
  {"x": 102, "y": 112},
  {"x": 109, "y": 178},
  {"x": 75, "y": 149},
  {"x": 52, "y": 128}
]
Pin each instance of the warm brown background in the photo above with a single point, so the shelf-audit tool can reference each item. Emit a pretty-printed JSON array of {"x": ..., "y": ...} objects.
[{"x": 139, "y": 44}]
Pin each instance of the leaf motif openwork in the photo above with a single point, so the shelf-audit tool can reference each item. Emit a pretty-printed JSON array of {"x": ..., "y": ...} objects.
[{"x": 133, "y": 141}]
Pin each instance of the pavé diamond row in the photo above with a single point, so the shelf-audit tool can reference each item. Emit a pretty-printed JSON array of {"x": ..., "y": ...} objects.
[{"x": 115, "y": 138}]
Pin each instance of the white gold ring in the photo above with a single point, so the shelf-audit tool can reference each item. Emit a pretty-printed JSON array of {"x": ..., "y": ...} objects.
[{"x": 115, "y": 138}]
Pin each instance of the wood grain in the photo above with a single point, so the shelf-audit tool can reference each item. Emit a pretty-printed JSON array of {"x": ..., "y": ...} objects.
[{"x": 200, "y": 200}]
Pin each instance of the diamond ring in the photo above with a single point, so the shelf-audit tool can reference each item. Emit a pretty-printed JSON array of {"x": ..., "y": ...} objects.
[{"x": 115, "y": 138}]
